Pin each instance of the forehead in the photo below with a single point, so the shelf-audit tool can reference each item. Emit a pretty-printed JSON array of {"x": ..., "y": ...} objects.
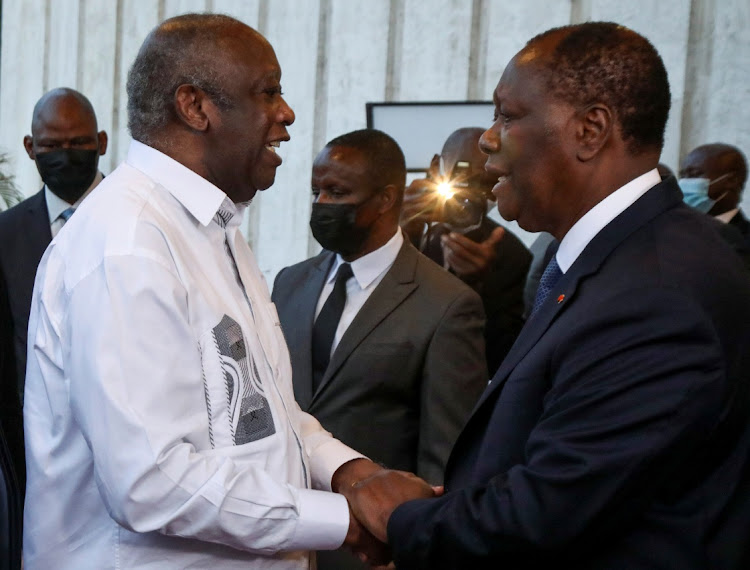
[
  {"x": 248, "y": 55},
  {"x": 706, "y": 160},
  {"x": 63, "y": 116},
  {"x": 521, "y": 81},
  {"x": 341, "y": 161}
]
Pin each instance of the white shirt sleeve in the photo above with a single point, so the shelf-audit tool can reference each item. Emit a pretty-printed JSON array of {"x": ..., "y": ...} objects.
[{"x": 134, "y": 371}]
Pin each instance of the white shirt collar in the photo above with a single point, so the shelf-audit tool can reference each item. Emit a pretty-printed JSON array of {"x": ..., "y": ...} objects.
[
  {"x": 56, "y": 205},
  {"x": 201, "y": 198},
  {"x": 727, "y": 216},
  {"x": 593, "y": 221},
  {"x": 368, "y": 267}
]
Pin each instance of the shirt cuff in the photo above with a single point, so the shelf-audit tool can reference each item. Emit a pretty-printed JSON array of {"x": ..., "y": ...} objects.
[
  {"x": 323, "y": 521},
  {"x": 327, "y": 458}
]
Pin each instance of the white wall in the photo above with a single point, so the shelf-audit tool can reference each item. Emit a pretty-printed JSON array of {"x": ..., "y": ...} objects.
[{"x": 336, "y": 55}]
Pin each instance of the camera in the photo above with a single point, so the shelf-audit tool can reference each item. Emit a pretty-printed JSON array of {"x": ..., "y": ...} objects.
[{"x": 464, "y": 206}]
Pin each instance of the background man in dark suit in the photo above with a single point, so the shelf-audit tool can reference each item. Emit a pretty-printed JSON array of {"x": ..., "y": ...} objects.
[
  {"x": 615, "y": 434},
  {"x": 66, "y": 147},
  {"x": 488, "y": 258},
  {"x": 406, "y": 359},
  {"x": 726, "y": 167}
]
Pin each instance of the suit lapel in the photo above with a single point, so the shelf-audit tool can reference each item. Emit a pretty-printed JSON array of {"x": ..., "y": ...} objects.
[
  {"x": 661, "y": 197},
  {"x": 38, "y": 228},
  {"x": 397, "y": 284},
  {"x": 304, "y": 305}
]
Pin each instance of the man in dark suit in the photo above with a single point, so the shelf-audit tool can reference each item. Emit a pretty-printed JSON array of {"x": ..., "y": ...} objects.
[
  {"x": 10, "y": 409},
  {"x": 406, "y": 362},
  {"x": 725, "y": 166},
  {"x": 484, "y": 255},
  {"x": 66, "y": 146},
  {"x": 615, "y": 434}
]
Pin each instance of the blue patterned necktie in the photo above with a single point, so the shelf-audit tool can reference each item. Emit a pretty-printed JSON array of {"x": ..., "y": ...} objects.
[
  {"x": 549, "y": 279},
  {"x": 65, "y": 216}
]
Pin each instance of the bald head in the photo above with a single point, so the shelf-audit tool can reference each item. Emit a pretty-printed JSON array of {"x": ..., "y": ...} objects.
[
  {"x": 191, "y": 49},
  {"x": 462, "y": 145},
  {"x": 62, "y": 100},
  {"x": 725, "y": 166},
  {"x": 603, "y": 62}
]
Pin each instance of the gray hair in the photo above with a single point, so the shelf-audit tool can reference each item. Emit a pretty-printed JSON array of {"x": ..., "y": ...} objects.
[{"x": 180, "y": 51}]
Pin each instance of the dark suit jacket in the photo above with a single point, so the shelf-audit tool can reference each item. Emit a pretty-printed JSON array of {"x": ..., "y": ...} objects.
[
  {"x": 501, "y": 289},
  {"x": 407, "y": 371},
  {"x": 10, "y": 495},
  {"x": 615, "y": 435},
  {"x": 24, "y": 235}
]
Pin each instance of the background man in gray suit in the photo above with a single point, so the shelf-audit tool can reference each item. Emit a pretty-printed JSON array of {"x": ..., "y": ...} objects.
[{"x": 397, "y": 368}]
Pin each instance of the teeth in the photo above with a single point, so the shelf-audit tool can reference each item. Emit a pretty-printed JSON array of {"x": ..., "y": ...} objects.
[
  {"x": 272, "y": 146},
  {"x": 502, "y": 179}
]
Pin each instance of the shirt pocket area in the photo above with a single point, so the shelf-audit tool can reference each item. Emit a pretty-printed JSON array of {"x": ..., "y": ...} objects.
[{"x": 238, "y": 409}]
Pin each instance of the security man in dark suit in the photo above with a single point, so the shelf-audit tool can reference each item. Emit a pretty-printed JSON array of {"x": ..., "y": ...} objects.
[
  {"x": 386, "y": 347},
  {"x": 615, "y": 434},
  {"x": 725, "y": 167},
  {"x": 66, "y": 147}
]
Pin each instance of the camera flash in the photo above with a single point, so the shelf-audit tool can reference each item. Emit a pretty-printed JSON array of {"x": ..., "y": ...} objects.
[{"x": 445, "y": 190}]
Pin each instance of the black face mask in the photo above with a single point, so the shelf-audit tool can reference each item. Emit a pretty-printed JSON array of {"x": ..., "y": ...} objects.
[
  {"x": 68, "y": 172},
  {"x": 335, "y": 228}
]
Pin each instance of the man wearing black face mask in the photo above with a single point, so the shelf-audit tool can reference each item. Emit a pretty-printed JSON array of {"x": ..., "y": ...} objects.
[
  {"x": 386, "y": 347},
  {"x": 66, "y": 146}
]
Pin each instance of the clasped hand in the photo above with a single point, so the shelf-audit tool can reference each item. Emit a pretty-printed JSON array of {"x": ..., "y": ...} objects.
[{"x": 372, "y": 500}]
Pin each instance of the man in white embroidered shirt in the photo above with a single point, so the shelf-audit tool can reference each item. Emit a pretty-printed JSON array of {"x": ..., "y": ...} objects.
[{"x": 162, "y": 430}]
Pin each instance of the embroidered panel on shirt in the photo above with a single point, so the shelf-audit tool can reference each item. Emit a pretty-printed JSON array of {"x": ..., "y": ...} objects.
[{"x": 248, "y": 414}]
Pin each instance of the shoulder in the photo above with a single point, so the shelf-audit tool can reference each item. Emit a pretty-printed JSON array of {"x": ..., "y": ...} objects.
[
  {"x": 437, "y": 284},
  {"x": 292, "y": 275},
  {"x": 15, "y": 214}
]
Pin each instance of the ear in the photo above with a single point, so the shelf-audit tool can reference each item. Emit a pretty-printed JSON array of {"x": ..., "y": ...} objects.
[
  {"x": 594, "y": 128},
  {"x": 388, "y": 198},
  {"x": 28, "y": 144},
  {"x": 103, "y": 140},
  {"x": 189, "y": 103}
]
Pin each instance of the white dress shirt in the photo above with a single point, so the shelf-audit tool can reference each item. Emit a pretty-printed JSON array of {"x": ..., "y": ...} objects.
[
  {"x": 594, "y": 221},
  {"x": 727, "y": 216},
  {"x": 368, "y": 271},
  {"x": 161, "y": 426},
  {"x": 56, "y": 205}
]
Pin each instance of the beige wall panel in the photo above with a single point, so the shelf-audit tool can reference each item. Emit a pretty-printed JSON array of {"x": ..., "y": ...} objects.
[
  {"x": 62, "y": 44},
  {"x": 138, "y": 19},
  {"x": 355, "y": 61},
  {"x": 435, "y": 48},
  {"x": 22, "y": 84},
  {"x": 176, "y": 7},
  {"x": 244, "y": 10},
  {"x": 284, "y": 209},
  {"x": 96, "y": 69}
]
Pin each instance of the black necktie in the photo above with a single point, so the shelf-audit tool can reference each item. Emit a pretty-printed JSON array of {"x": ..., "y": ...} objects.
[
  {"x": 324, "y": 329},
  {"x": 549, "y": 279}
]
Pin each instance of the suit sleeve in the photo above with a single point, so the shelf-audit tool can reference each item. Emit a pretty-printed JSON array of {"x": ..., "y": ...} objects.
[
  {"x": 634, "y": 391},
  {"x": 454, "y": 376}
]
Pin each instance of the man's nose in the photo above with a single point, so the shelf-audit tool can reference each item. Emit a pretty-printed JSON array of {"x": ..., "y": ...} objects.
[
  {"x": 286, "y": 115},
  {"x": 489, "y": 142}
]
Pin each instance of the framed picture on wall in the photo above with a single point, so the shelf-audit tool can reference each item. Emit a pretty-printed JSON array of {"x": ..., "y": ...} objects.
[{"x": 420, "y": 128}]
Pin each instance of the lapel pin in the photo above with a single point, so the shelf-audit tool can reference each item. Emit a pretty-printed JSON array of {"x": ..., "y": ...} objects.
[{"x": 560, "y": 299}]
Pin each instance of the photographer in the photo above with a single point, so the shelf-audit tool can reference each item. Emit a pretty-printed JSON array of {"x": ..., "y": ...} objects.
[{"x": 444, "y": 214}]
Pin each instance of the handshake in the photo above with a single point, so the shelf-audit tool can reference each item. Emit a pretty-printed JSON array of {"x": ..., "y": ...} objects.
[{"x": 373, "y": 494}]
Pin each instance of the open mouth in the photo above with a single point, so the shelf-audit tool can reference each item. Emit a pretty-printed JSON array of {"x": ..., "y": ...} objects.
[{"x": 273, "y": 145}]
